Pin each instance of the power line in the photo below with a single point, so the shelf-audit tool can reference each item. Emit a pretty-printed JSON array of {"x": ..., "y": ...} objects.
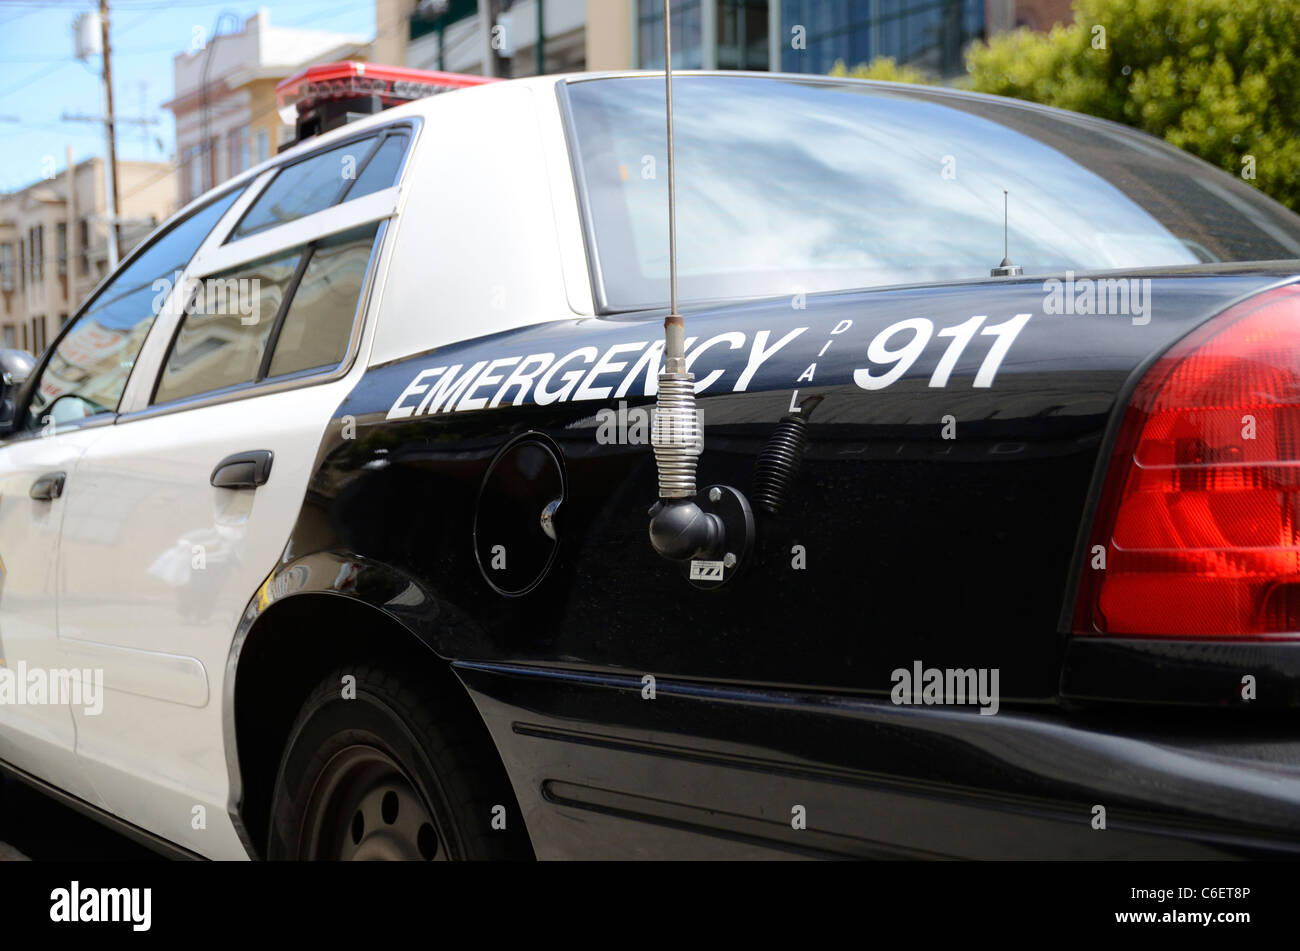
[
  {"x": 118, "y": 54},
  {"x": 35, "y": 76},
  {"x": 175, "y": 166},
  {"x": 15, "y": 19}
]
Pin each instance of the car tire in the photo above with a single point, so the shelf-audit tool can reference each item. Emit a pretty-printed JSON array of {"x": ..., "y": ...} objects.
[{"x": 377, "y": 769}]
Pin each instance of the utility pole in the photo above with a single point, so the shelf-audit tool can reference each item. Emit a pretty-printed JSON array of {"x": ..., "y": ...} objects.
[{"x": 111, "y": 130}]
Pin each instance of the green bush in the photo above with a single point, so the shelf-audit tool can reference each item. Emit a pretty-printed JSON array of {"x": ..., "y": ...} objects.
[
  {"x": 882, "y": 68},
  {"x": 1219, "y": 78}
]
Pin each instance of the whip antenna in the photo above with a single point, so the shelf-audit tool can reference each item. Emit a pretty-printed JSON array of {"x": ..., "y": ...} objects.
[
  {"x": 675, "y": 433},
  {"x": 713, "y": 532},
  {"x": 674, "y": 318}
]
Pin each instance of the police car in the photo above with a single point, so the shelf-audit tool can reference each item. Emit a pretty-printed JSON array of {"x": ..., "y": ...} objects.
[{"x": 368, "y": 510}]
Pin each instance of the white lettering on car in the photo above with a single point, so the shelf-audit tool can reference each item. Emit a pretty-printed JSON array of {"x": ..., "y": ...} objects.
[
  {"x": 589, "y": 373},
  {"x": 900, "y": 357}
]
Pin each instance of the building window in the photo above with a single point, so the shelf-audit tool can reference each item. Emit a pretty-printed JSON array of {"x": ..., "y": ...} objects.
[
  {"x": 213, "y": 163},
  {"x": 83, "y": 242},
  {"x": 194, "y": 173},
  {"x": 38, "y": 335},
  {"x": 263, "y": 146},
  {"x": 239, "y": 151},
  {"x": 743, "y": 34},
  {"x": 6, "y": 267},
  {"x": 10, "y": 338},
  {"x": 63, "y": 319},
  {"x": 61, "y": 246},
  {"x": 927, "y": 34},
  {"x": 37, "y": 259},
  {"x": 688, "y": 34}
]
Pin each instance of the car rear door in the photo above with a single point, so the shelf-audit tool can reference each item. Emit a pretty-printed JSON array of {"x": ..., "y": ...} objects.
[
  {"x": 38, "y": 738},
  {"x": 70, "y": 404},
  {"x": 182, "y": 514}
]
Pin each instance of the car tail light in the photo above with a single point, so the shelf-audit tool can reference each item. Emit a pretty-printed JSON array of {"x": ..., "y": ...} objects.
[{"x": 1199, "y": 517}]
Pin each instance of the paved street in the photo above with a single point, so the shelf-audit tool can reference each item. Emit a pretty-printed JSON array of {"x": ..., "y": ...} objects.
[{"x": 33, "y": 826}]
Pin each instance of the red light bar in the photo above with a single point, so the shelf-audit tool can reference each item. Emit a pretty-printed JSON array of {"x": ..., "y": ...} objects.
[
  {"x": 349, "y": 79},
  {"x": 323, "y": 97}
]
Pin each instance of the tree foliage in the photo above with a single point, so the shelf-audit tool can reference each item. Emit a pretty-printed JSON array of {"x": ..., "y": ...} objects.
[
  {"x": 884, "y": 68},
  {"x": 1218, "y": 78}
]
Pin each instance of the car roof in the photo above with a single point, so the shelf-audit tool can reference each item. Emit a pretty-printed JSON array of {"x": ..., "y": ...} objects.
[{"x": 426, "y": 106}]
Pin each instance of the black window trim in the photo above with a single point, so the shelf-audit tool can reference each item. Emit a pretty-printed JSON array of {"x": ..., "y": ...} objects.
[{"x": 290, "y": 292}]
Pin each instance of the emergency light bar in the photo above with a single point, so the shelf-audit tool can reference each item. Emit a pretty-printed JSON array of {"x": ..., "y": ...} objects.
[{"x": 321, "y": 98}]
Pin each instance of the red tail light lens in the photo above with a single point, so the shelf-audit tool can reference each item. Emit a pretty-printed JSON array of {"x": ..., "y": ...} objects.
[{"x": 1199, "y": 518}]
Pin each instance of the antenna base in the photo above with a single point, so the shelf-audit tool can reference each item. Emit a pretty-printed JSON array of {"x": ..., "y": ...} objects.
[{"x": 711, "y": 536}]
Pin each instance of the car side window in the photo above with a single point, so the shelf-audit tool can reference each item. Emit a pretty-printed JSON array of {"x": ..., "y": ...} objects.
[
  {"x": 320, "y": 181},
  {"x": 382, "y": 169},
  {"x": 88, "y": 369},
  {"x": 286, "y": 314},
  {"x": 225, "y": 328},
  {"x": 318, "y": 323}
]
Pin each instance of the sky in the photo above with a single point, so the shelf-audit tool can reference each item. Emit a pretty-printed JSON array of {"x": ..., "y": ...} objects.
[{"x": 41, "y": 79}]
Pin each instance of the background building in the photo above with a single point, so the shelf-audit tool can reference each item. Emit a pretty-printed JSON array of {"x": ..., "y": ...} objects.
[
  {"x": 224, "y": 96},
  {"x": 54, "y": 242},
  {"x": 799, "y": 36},
  {"x": 454, "y": 35},
  {"x": 804, "y": 36}
]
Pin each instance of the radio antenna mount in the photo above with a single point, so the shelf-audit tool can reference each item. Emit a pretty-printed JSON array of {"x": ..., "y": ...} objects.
[{"x": 709, "y": 533}]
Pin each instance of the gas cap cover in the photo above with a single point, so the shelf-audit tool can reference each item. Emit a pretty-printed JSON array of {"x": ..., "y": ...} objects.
[{"x": 521, "y": 501}]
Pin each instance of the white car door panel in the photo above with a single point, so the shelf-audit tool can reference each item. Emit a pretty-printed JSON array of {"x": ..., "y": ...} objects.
[
  {"x": 142, "y": 568},
  {"x": 38, "y": 738},
  {"x": 156, "y": 569},
  {"x": 159, "y": 561}
]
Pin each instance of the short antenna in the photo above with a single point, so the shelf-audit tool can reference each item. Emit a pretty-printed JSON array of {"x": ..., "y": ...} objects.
[
  {"x": 1005, "y": 211},
  {"x": 1006, "y": 268}
]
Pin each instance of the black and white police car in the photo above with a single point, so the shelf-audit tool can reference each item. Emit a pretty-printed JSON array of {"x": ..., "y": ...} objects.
[{"x": 324, "y": 521}]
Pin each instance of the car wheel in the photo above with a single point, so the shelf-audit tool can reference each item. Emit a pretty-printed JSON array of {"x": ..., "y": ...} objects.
[{"x": 390, "y": 773}]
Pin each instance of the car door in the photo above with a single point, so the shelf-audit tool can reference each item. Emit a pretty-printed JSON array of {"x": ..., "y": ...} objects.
[
  {"x": 37, "y": 737},
  {"x": 70, "y": 404},
  {"x": 183, "y": 513}
]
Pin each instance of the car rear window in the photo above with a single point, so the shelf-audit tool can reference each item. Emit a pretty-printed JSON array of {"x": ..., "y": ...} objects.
[{"x": 788, "y": 186}]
